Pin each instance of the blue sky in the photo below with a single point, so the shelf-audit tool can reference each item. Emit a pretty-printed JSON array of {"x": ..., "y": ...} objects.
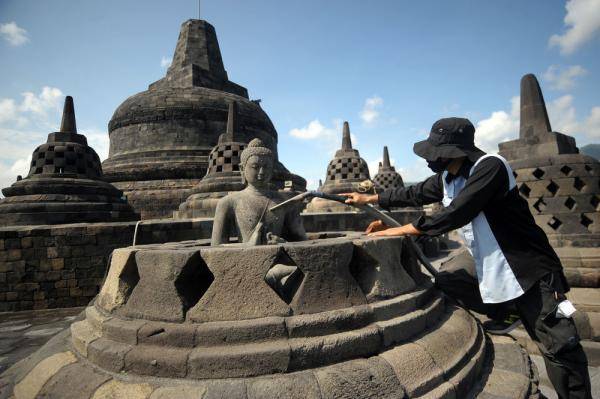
[{"x": 391, "y": 68}]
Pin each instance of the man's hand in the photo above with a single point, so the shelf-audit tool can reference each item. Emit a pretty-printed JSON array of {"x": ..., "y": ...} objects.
[
  {"x": 376, "y": 225},
  {"x": 406, "y": 230},
  {"x": 360, "y": 199}
]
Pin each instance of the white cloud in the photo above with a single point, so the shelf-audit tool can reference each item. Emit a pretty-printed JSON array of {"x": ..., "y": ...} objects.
[
  {"x": 582, "y": 22},
  {"x": 563, "y": 78},
  {"x": 500, "y": 126},
  {"x": 49, "y": 99},
  {"x": 416, "y": 172},
  {"x": 592, "y": 124},
  {"x": 98, "y": 140},
  {"x": 563, "y": 118},
  {"x": 13, "y": 34},
  {"x": 315, "y": 130},
  {"x": 165, "y": 62},
  {"x": 562, "y": 114},
  {"x": 370, "y": 112}
]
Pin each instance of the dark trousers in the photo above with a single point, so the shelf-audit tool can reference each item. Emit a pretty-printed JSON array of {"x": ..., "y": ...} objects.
[{"x": 557, "y": 339}]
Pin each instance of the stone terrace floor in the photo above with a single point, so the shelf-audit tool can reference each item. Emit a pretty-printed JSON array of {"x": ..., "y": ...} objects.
[{"x": 22, "y": 333}]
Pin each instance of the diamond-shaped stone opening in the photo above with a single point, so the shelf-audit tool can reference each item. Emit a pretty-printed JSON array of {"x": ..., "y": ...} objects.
[
  {"x": 566, "y": 170},
  {"x": 578, "y": 184},
  {"x": 525, "y": 190},
  {"x": 284, "y": 277},
  {"x": 538, "y": 173},
  {"x": 588, "y": 168},
  {"x": 595, "y": 201},
  {"x": 586, "y": 221},
  {"x": 554, "y": 223},
  {"x": 552, "y": 187},
  {"x": 540, "y": 205},
  {"x": 570, "y": 203},
  {"x": 193, "y": 281}
]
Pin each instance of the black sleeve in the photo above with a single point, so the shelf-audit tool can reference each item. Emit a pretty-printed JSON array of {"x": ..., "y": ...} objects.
[
  {"x": 488, "y": 182},
  {"x": 427, "y": 192}
]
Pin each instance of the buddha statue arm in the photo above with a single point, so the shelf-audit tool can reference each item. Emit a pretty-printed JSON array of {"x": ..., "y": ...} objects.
[{"x": 222, "y": 223}]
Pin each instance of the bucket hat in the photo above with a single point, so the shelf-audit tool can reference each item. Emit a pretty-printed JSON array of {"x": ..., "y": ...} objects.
[{"x": 449, "y": 138}]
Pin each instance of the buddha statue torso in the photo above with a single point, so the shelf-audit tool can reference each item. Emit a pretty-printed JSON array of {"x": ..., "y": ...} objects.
[{"x": 246, "y": 214}]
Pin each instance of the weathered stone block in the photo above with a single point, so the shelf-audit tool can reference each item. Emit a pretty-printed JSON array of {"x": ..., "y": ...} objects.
[
  {"x": 82, "y": 335},
  {"x": 242, "y": 331},
  {"x": 157, "y": 361},
  {"x": 120, "y": 280},
  {"x": 239, "y": 360},
  {"x": 414, "y": 367},
  {"x": 122, "y": 331},
  {"x": 109, "y": 355},
  {"x": 362, "y": 378},
  {"x": 377, "y": 266},
  {"x": 317, "y": 351},
  {"x": 167, "y": 334},
  {"x": 239, "y": 290},
  {"x": 327, "y": 282},
  {"x": 293, "y": 386},
  {"x": 169, "y": 284}
]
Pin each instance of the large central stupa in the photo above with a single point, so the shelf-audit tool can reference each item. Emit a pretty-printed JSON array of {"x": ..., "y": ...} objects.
[{"x": 160, "y": 138}]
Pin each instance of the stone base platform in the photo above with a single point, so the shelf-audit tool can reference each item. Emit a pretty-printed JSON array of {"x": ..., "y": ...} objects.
[
  {"x": 184, "y": 320},
  {"x": 429, "y": 364}
]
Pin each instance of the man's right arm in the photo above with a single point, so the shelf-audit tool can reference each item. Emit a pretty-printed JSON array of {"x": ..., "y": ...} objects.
[{"x": 426, "y": 192}]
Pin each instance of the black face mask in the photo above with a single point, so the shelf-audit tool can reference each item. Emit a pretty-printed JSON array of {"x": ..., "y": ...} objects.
[{"x": 438, "y": 165}]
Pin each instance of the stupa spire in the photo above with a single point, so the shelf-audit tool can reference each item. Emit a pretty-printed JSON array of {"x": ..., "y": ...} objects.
[
  {"x": 198, "y": 45},
  {"x": 534, "y": 117},
  {"x": 67, "y": 125},
  {"x": 346, "y": 139},
  {"x": 232, "y": 123},
  {"x": 386, "y": 158}
]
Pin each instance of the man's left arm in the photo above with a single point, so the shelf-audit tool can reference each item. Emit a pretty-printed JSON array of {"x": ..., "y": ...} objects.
[{"x": 488, "y": 181}]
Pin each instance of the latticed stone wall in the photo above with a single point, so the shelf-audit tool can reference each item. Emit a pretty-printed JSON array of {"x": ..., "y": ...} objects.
[
  {"x": 563, "y": 194},
  {"x": 387, "y": 180},
  {"x": 71, "y": 158},
  {"x": 351, "y": 168},
  {"x": 225, "y": 158}
]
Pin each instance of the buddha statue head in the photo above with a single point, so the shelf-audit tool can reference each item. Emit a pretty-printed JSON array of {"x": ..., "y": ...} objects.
[{"x": 257, "y": 162}]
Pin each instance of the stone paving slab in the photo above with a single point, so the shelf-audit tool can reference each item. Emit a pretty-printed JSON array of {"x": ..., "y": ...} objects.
[{"x": 22, "y": 333}]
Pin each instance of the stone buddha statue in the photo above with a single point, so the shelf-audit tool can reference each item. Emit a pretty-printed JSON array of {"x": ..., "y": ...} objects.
[{"x": 245, "y": 214}]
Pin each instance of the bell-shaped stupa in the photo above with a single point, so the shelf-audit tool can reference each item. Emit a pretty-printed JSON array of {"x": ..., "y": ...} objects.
[
  {"x": 387, "y": 177},
  {"x": 223, "y": 174},
  {"x": 345, "y": 172},
  {"x": 562, "y": 188},
  {"x": 161, "y": 138},
  {"x": 64, "y": 184}
]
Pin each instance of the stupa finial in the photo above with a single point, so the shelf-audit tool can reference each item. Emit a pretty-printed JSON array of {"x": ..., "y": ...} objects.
[
  {"x": 346, "y": 139},
  {"x": 67, "y": 124},
  {"x": 232, "y": 123},
  {"x": 386, "y": 158},
  {"x": 534, "y": 117}
]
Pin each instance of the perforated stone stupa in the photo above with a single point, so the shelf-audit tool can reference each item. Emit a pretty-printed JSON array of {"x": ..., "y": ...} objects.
[
  {"x": 344, "y": 173},
  {"x": 561, "y": 185},
  {"x": 223, "y": 174},
  {"x": 161, "y": 138},
  {"x": 64, "y": 184},
  {"x": 387, "y": 177}
]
